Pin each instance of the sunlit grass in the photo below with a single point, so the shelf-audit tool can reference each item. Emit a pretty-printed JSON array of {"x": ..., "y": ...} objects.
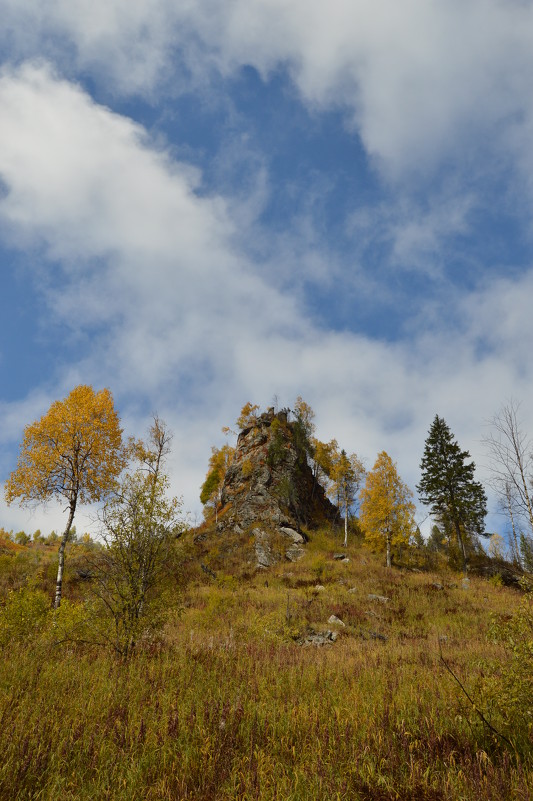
[{"x": 228, "y": 705}]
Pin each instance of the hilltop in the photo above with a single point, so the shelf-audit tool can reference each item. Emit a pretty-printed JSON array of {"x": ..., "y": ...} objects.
[{"x": 270, "y": 498}]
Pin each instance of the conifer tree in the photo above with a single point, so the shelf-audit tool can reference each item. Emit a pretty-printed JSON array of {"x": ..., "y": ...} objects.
[{"x": 458, "y": 503}]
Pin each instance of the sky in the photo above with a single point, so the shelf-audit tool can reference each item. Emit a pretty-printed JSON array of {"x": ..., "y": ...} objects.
[{"x": 204, "y": 204}]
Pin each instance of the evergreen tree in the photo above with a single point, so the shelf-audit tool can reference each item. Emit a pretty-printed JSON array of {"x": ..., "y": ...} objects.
[{"x": 458, "y": 503}]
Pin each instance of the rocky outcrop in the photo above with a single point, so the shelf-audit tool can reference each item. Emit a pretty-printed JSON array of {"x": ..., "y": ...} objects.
[{"x": 270, "y": 493}]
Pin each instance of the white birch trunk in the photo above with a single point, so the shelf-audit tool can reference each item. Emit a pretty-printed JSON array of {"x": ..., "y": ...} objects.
[{"x": 61, "y": 555}]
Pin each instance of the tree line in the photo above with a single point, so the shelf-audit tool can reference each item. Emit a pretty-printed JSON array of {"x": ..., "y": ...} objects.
[
  {"x": 383, "y": 503},
  {"x": 76, "y": 453}
]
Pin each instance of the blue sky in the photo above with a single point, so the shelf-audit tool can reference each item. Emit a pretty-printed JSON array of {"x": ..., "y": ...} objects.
[{"x": 203, "y": 204}]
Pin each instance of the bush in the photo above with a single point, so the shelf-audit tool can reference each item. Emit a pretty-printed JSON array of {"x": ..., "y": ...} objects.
[
  {"x": 508, "y": 693},
  {"x": 25, "y": 613}
]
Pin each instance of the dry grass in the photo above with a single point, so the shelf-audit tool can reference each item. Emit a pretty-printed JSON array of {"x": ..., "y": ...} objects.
[{"x": 228, "y": 706}]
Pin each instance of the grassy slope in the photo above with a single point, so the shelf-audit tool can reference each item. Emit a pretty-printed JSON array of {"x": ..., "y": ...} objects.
[{"x": 228, "y": 706}]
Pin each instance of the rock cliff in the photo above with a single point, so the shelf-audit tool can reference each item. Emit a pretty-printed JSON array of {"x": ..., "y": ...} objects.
[{"x": 270, "y": 494}]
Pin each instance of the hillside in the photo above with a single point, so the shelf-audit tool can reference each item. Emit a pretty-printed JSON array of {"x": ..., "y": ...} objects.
[
  {"x": 256, "y": 657},
  {"x": 236, "y": 698}
]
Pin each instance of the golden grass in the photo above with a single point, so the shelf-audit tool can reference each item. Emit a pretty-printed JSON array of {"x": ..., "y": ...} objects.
[{"x": 226, "y": 705}]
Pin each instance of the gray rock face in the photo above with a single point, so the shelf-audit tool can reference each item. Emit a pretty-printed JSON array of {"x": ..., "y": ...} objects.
[
  {"x": 270, "y": 492},
  {"x": 263, "y": 552}
]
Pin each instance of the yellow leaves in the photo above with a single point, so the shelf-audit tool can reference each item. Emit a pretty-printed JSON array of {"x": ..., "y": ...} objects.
[
  {"x": 248, "y": 416},
  {"x": 247, "y": 468},
  {"x": 219, "y": 461},
  {"x": 305, "y": 414},
  {"x": 74, "y": 450},
  {"x": 323, "y": 456},
  {"x": 345, "y": 472},
  {"x": 496, "y": 547},
  {"x": 387, "y": 510},
  {"x": 221, "y": 458}
]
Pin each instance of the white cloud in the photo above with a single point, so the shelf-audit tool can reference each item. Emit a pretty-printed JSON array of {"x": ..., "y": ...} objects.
[
  {"x": 184, "y": 324},
  {"x": 415, "y": 234},
  {"x": 418, "y": 78}
]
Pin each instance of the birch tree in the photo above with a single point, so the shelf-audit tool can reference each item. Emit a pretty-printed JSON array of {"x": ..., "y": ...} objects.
[
  {"x": 510, "y": 454},
  {"x": 74, "y": 454},
  {"x": 211, "y": 492},
  {"x": 347, "y": 473},
  {"x": 387, "y": 510}
]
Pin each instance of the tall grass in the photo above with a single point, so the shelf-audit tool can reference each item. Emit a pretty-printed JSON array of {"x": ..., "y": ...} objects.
[{"x": 228, "y": 706}]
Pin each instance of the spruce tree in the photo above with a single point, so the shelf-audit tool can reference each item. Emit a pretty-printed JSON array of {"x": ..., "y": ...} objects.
[{"x": 458, "y": 503}]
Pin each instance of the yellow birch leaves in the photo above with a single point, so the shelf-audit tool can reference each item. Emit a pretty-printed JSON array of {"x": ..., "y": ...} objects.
[
  {"x": 386, "y": 510},
  {"x": 75, "y": 448}
]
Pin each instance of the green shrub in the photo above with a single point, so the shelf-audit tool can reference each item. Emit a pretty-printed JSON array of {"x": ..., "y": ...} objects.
[
  {"x": 24, "y": 614},
  {"x": 508, "y": 691}
]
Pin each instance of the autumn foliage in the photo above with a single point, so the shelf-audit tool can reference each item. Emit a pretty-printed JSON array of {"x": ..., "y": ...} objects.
[
  {"x": 387, "y": 511},
  {"x": 75, "y": 448},
  {"x": 74, "y": 452}
]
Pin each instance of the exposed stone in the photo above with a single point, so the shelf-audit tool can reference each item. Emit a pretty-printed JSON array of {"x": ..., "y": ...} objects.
[
  {"x": 437, "y": 585},
  {"x": 294, "y": 553},
  {"x": 333, "y": 619},
  {"x": 318, "y": 637},
  {"x": 507, "y": 574},
  {"x": 319, "y": 588},
  {"x": 295, "y": 536},
  {"x": 269, "y": 491},
  {"x": 352, "y": 589},
  {"x": 263, "y": 552},
  {"x": 381, "y": 598},
  {"x": 339, "y": 556}
]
